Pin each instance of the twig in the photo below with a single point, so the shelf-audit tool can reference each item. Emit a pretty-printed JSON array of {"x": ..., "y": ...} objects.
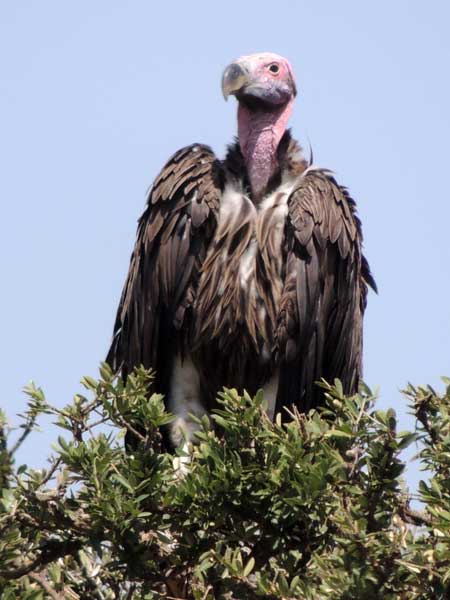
[
  {"x": 95, "y": 423},
  {"x": 27, "y": 430},
  {"x": 51, "y": 472},
  {"x": 415, "y": 517},
  {"x": 131, "y": 429},
  {"x": 208, "y": 589},
  {"x": 40, "y": 579},
  {"x": 360, "y": 414}
]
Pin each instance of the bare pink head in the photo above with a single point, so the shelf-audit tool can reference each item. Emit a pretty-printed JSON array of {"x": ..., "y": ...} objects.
[{"x": 265, "y": 89}]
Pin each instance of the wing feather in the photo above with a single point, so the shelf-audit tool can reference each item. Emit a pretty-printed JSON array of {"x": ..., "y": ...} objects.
[
  {"x": 319, "y": 332},
  {"x": 173, "y": 234}
]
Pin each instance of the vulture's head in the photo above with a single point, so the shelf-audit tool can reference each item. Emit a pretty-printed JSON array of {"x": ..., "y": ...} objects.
[
  {"x": 262, "y": 81},
  {"x": 264, "y": 87}
]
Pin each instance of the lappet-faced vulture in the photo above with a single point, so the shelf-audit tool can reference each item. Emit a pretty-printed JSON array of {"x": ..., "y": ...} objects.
[{"x": 247, "y": 272}]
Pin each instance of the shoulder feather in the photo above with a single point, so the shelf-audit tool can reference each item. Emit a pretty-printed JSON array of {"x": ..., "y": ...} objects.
[{"x": 172, "y": 235}]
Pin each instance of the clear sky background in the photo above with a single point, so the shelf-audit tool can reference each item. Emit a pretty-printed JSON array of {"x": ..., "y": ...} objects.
[{"x": 94, "y": 97}]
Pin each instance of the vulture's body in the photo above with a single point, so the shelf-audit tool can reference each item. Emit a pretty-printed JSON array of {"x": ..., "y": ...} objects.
[{"x": 234, "y": 287}]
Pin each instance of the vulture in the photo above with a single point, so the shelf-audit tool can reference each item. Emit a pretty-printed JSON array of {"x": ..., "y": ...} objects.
[{"x": 247, "y": 272}]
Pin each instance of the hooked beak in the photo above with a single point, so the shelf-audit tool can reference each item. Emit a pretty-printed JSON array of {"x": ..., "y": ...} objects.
[
  {"x": 235, "y": 77},
  {"x": 239, "y": 79}
]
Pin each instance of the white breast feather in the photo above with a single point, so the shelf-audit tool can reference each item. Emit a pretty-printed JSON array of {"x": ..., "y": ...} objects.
[{"x": 232, "y": 202}]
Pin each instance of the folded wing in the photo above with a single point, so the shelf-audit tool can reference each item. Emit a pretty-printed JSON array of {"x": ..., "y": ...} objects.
[
  {"x": 319, "y": 330},
  {"x": 173, "y": 233}
]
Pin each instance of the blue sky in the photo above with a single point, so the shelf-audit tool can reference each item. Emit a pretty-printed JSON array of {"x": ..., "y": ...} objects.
[{"x": 94, "y": 97}]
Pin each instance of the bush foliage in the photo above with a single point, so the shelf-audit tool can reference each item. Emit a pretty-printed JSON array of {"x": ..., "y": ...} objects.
[{"x": 313, "y": 509}]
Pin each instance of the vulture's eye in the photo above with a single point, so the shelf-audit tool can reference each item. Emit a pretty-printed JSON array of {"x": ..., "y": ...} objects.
[{"x": 274, "y": 68}]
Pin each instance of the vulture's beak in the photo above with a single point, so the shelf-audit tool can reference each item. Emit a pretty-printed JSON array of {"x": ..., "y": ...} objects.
[{"x": 235, "y": 77}]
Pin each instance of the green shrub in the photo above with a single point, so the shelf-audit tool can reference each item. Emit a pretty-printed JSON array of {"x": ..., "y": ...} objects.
[{"x": 314, "y": 509}]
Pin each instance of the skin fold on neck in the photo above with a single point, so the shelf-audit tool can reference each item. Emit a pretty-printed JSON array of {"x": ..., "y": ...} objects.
[{"x": 260, "y": 132}]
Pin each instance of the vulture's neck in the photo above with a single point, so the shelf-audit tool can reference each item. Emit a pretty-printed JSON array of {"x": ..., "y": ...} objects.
[{"x": 259, "y": 134}]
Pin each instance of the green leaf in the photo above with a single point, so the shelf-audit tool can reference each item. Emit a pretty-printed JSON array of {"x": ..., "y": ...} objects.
[
  {"x": 89, "y": 383},
  {"x": 249, "y": 567},
  {"x": 337, "y": 433},
  {"x": 120, "y": 479}
]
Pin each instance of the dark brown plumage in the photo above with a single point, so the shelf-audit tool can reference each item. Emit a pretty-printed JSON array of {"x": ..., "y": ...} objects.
[{"x": 183, "y": 293}]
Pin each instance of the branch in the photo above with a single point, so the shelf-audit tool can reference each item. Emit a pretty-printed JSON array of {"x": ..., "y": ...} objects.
[
  {"x": 26, "y": 432},
  {"x": 51, "y": 471},
  {"x": 40, "y": 579},
  {"x": 49, "y": 553},
  {"x": 130, "y": 428},
  {"x": 415, "y": 517},
  {"x": 53, "y": 518}
]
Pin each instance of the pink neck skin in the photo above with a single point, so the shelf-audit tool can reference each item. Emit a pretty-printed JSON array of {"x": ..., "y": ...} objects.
[{"x": 259, "y": 134}]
